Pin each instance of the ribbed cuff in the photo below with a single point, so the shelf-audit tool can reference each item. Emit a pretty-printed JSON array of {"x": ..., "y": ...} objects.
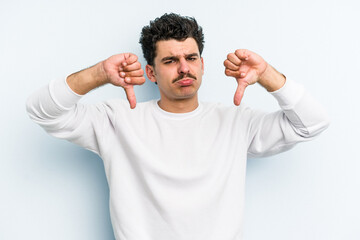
[
  {"x": 289, "y": 95},
  {"x": 62, "y": 94}
]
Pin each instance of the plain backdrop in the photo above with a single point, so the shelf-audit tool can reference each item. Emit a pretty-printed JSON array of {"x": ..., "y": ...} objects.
[{"x": 51, "y": 189}]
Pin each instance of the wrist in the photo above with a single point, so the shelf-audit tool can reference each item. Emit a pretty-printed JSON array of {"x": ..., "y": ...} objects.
[
  {"x": 271, "y": 79},
  {"x": 101, "y": 75}
]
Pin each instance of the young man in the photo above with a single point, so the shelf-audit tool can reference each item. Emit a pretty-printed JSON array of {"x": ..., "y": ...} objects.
[{"x": 176, "y": 166}]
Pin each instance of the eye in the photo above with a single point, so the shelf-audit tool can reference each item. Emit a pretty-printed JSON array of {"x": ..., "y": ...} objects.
[
  {"x": 168, "y": 61},
  {"x": 192, "y": 58}
]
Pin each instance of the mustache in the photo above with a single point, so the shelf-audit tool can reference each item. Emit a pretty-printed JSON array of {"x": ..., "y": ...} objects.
[{"x": 181, "y": 76}]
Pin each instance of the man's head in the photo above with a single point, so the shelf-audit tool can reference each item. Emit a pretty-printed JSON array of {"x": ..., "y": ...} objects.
[
  {"x": 172, "y": 46},
  {"x": 169, "y": 26}
]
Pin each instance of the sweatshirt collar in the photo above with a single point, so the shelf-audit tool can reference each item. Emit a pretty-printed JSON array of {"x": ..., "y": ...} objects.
[{"x": 178, "y": 116}]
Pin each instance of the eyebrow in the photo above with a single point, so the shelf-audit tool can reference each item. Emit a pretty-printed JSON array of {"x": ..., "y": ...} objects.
[{"x": 176, "y": 58}]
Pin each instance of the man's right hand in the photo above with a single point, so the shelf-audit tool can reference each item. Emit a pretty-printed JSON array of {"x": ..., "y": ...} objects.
[{"x": 124, "y": 70}]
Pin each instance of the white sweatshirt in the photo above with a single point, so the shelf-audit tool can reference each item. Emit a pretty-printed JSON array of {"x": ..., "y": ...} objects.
[{"x": 177, "y": 176}]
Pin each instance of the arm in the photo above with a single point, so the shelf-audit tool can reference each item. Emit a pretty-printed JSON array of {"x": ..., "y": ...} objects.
[
  {"x": 56, "y": 109},
  {"x": 120, "y": 70},
  {"x": 301, "y": 117}
]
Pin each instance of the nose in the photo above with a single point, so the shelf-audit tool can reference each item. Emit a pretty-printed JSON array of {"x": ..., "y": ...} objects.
[{"x": 183, "y": 66}]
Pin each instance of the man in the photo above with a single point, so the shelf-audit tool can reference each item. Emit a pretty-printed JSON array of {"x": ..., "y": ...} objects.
[{"x": 176, "y": 166}]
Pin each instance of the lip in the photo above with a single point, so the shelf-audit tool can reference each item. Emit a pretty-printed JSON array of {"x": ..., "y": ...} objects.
[{"x": 185, "y": 82}]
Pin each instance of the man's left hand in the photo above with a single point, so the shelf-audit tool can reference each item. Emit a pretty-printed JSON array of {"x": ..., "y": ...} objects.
[{"x": 247, "y": 68}]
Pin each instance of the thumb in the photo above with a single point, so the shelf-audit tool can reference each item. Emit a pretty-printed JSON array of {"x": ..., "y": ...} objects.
[
  {"x": 130, "y": 95},
  {"x": 239, "y": 92}
]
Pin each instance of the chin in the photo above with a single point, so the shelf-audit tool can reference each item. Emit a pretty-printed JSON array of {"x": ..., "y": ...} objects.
[{"x": 187, "y": 96}]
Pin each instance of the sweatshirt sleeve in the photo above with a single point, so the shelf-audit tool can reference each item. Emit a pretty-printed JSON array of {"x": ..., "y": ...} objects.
[
  {"x": 57, "y": 110},
  {"x": 300, "y": 119}
]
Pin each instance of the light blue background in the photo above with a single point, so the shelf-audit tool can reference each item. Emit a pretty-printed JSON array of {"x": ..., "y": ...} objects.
[{"x": 51, "y": 189}]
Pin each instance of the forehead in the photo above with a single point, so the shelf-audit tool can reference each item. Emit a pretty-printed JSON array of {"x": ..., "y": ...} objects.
[{"x": 174, "y": 47}]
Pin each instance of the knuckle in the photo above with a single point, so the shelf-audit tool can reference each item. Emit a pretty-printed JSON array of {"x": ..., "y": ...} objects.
[
  {"x": 227, "y": 72},
  {"x": 133, "y": 58}
]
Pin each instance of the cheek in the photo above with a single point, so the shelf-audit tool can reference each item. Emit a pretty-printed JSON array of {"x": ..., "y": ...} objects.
[
  {"x": 199, "y": 71},
  {"x": 164, "y": 78},
  {"x": 165, "y": 73}
]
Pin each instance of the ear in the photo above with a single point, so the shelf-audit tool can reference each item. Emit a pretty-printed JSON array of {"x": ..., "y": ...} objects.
[
  {"x": 202, "y": 65},
  {"x": 150, "y": 73}
]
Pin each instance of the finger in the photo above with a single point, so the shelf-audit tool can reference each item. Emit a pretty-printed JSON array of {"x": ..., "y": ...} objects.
[
  {"x": 136, "y": 73},
  {"x": 230, "y": 65},
  {"x": 130, "y": 67},
  {"x": 243, "y": 54},
  {"x": 239, "y": 93},
  {"x": 135, "y": 80},
  {"x": 234, "y": 59},
  {"x": 130, "y": 95},
  {"x": 235, "y": 74},
  {"x": 130, "y": 59}
]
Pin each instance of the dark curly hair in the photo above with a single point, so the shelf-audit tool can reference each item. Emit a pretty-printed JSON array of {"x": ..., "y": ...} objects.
[{"x": 169, "y": 26}]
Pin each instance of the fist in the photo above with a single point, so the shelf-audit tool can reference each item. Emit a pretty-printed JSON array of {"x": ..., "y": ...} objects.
[
  {"x": 124, "y": 70},
  {"x": 246, "y": 67}
]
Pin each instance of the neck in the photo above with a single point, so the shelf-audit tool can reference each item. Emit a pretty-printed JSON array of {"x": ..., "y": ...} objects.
[{"x": 179, "y": 105}]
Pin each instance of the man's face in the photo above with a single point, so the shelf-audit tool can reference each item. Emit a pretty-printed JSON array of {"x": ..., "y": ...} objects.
[{"x": 178, "y": 69}]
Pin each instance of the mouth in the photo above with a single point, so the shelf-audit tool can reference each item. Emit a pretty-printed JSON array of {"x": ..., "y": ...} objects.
[{"x": 185, "y": 82}]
